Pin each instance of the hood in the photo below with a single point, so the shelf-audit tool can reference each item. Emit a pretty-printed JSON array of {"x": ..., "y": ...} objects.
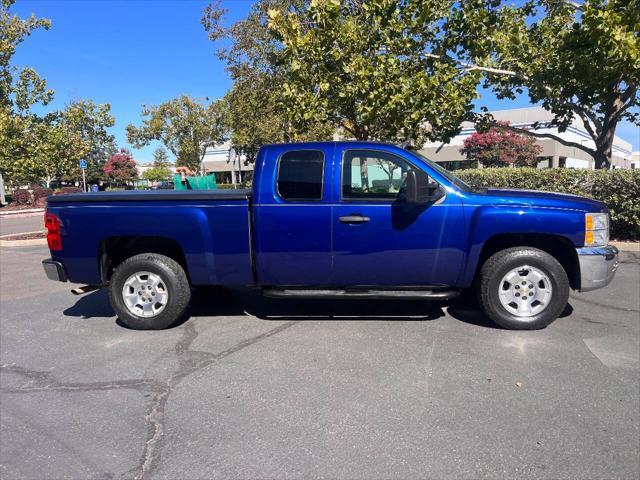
[{"x": 540, "y": 198}]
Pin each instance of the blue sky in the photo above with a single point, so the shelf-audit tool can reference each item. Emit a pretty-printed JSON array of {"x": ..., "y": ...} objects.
[{"x": 129, "y": 53}]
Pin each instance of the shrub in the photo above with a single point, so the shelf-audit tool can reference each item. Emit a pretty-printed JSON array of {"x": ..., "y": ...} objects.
[
  {"x": 64, "y": 190},
  {"x": 618, "y": 189},
  {"x": 40, "y": 192},
  {"x": 499, "y": 147},
  {"x": 21, "y": 197}
]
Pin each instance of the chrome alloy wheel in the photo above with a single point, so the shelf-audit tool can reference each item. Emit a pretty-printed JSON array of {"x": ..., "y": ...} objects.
[
  {"x": 145, "y": 294},
  {"x": 525, "y": 291}
]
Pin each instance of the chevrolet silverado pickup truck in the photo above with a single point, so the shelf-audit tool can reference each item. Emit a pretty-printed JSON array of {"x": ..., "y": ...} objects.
[{"x": 334, "y": 220}]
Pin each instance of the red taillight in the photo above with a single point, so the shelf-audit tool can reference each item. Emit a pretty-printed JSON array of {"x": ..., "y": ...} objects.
[{"x": 52, "y": 224}]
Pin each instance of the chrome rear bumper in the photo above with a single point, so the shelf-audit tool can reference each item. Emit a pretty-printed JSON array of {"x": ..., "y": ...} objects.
[
  {"x": 598, "y": 265},
  {"x": 54, "y": 270}
]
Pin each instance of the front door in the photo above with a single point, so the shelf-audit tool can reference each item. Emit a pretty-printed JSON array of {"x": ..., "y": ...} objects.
[{"x": 379, "y": 240}]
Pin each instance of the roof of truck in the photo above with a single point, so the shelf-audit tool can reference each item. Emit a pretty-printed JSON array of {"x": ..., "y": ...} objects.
[{"x": 341, "y": 142}]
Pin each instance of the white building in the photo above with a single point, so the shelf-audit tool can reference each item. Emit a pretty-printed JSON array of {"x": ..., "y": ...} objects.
[
  {"x": 635, "y": 160},
  {"x": 553, "y": 154},
  {"x": 226, "y": 165}
]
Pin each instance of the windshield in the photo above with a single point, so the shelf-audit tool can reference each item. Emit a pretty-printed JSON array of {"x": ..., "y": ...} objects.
[{"x": 444, "y": 172}]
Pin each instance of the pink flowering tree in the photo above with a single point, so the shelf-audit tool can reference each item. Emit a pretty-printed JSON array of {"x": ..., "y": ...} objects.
[
  {"x": 121, "y": 167},
  {"x": 499, "y": 147}
]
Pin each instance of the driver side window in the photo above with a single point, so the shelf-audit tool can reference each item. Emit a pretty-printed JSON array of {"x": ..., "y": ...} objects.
[{"x": 373, "y": 175}]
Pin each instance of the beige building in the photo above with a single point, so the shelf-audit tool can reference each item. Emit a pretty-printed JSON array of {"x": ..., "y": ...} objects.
[{"x": 553, "y": 154}]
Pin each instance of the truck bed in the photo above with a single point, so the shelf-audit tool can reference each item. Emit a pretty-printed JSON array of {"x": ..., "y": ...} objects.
[{"x": 209, "y": 231}]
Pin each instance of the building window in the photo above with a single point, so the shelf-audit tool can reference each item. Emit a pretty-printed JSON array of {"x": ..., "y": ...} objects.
[{"x": 300, "y": 175}]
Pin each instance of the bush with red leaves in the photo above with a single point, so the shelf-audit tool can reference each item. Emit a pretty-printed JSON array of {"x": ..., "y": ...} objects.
[
  {"x": 499, "y": 147},
  {"x": 40, "y": 192},
  {"x": 22, "y": 197}
]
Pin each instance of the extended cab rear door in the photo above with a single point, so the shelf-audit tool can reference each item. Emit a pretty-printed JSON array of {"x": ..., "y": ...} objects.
[{"x": 292, "y": 215}]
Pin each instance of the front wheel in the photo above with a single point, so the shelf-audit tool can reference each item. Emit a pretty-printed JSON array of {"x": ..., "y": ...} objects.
[
  {"x": 149, "y": 291},
  {"x": 523, "y": 288}
]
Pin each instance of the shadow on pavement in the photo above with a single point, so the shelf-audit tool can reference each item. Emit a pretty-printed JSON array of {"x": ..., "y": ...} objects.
[
  {"x": 92, "y": 305},
  {"x": 215, "y": 301},
  {"x": 466, "y": 309}
]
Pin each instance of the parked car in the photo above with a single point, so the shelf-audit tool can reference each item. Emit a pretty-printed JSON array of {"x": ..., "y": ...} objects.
[
  {"x": 335, "y": 220},
  {"x": 164, "y": 186}
]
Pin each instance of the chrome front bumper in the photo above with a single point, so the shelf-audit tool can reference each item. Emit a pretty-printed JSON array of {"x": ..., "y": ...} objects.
[{"x": 598, "y": 265}]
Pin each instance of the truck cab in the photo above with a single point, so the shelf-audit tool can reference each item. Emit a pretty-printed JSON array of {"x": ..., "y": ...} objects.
[{"x": 336, "y": 219}]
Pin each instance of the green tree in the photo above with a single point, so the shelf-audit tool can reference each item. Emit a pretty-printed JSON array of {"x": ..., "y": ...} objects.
[
  {"x": 185, "y": 126},
  {"x": 91, "y": 121},
  {"x": 579, "y": 60},
  {"x": 160, "y": 170},
  {"x": 255, "y": 113},
  {"x": 42, "y": 147},
  {"x": 161, "y": 159},
  {"x": 376, "y": 70},
  {"x": 20, "y": 88}
]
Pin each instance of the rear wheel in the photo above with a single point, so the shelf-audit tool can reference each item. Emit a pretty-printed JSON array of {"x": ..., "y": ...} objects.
[
  {"x": 149, "y": 291},
  {"x": 523, "y": 288}
]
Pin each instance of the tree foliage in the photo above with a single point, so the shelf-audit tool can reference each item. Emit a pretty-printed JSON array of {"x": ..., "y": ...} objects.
[
  {"x": 255, "y": 113},
  {"x": 185, "y": 126},
  {"x": 160, "y": 170},
  {"x": 20, "y": 88},
  {"x": 42, "y": 147},
  {"x": 91, "y": 122},
  {"x": 374, "y": 69},
  {"x": 580, "y": 61},
  {"x": 500, "y": 147},
  {"x": 121, "y": 167}
]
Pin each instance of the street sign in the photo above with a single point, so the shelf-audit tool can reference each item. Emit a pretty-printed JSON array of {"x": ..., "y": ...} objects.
[{"x": 83, "y": 166}]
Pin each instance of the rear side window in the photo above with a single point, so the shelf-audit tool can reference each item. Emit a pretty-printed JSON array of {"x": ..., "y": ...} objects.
[{"x": 300, "y": 175}]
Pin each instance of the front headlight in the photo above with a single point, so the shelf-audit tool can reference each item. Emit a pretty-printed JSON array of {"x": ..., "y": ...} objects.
[{"x": 596, "y": 229}]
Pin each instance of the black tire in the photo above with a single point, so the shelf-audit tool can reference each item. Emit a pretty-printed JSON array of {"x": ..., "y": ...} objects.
[
  {"x": 501, "y": 263},
  {"x": 173, "y": 277}
]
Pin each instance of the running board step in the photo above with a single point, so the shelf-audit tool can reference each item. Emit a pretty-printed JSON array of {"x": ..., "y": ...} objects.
[{"x": 371, "y": 293}]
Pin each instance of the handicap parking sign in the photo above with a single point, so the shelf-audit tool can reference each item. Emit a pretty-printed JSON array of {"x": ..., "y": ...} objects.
[{"x": 83, "y": 164}]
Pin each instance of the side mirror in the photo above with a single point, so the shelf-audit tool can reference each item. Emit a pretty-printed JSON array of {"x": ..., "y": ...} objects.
[{"x": 419, "y": 190}]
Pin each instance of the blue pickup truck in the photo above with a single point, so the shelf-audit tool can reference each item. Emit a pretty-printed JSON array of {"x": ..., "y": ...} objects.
[{"x": 334, "y": 220}]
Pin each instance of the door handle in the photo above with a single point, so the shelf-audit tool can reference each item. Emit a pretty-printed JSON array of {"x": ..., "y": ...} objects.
[{"x": 354, "y": 219}]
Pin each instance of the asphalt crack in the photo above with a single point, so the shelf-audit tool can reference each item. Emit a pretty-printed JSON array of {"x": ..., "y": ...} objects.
[
  {"x": 42, "y": 380},
  {"x": 189, "y": 362}
]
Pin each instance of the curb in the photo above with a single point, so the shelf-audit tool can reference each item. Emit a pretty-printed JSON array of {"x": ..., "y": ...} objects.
[
  {"x": 626, "y": 246},
  {"x": 23, "y": 243},
  {"x": 19, "y": 212}
]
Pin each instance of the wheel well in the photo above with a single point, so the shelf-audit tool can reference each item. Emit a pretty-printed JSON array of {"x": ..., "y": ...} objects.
[
  {"x": 114, "y": 250},
  {"x": 559, "y": 247}
]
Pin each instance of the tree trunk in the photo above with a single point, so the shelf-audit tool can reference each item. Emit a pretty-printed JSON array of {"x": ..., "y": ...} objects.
[{"x": 364, "y": 174}]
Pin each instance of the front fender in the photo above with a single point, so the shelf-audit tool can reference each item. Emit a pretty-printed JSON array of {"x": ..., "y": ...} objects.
[{"x": 488, "y": 221}]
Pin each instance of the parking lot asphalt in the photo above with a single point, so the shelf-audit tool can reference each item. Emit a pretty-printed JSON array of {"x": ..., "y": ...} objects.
[{"x": 257, "y": 388}]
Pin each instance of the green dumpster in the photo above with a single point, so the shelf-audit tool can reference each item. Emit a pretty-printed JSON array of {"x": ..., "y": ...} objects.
[{"x": 207, "y": 182}]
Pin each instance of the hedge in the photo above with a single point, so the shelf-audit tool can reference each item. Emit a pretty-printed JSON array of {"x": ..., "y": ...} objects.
[{"x": 618, "y": 189}]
